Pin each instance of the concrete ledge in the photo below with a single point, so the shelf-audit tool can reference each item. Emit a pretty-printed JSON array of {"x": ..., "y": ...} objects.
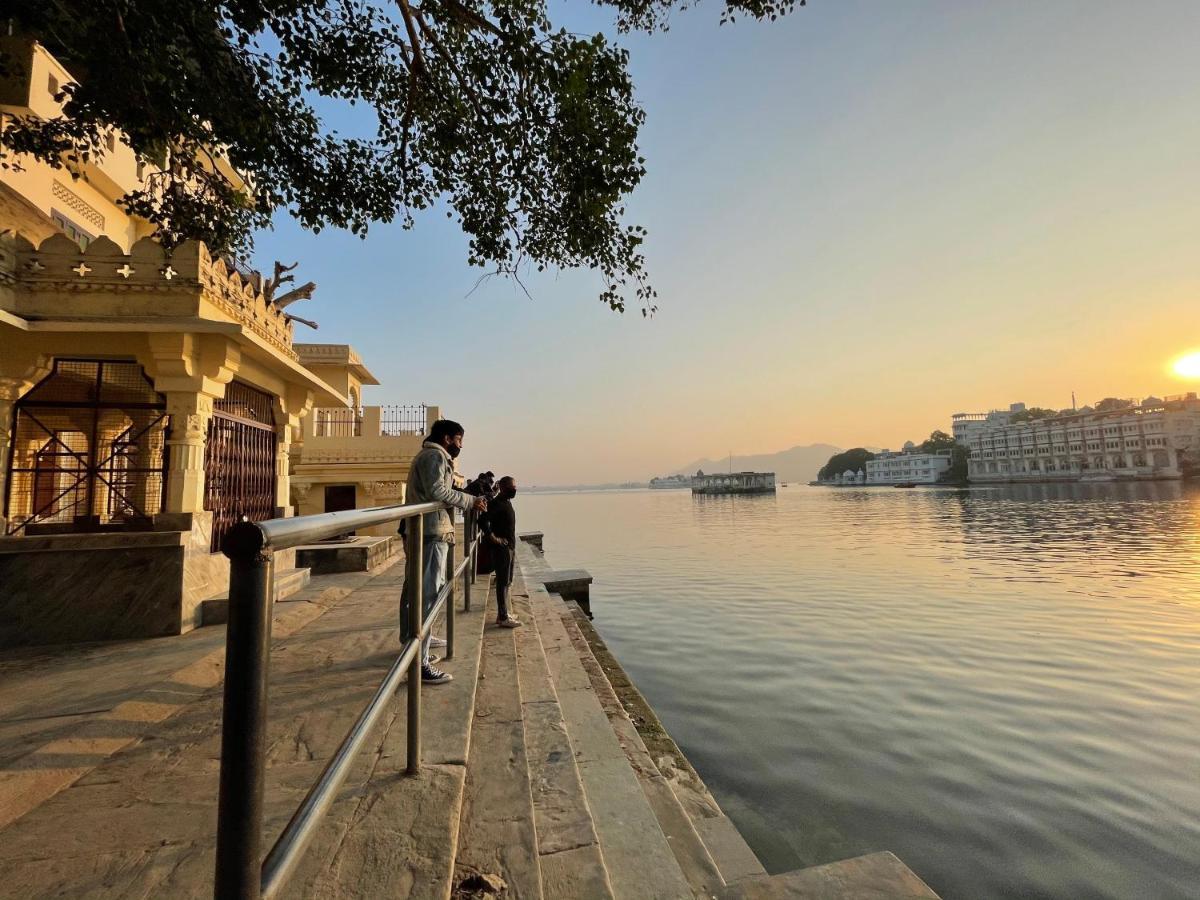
[
  {"x": 359, "y": 554},
  {"x": 876, "y": 876},
  {"x": 571, "y": 584},
  {"x": 534, "y": 538},
  {"x": 215, "y": 611}
]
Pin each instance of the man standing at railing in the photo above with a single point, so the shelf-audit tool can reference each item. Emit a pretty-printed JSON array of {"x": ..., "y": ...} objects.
[{"x": 431, "y": 480}]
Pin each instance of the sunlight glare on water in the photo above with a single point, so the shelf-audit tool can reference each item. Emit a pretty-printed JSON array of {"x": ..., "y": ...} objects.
[{"x": 997, "y": 684}]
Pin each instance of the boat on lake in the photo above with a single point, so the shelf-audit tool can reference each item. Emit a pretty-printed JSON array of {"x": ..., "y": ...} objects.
[{"x": 735, "y": 483}]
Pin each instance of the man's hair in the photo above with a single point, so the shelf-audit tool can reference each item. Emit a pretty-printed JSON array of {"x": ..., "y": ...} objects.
[
  {"x": 445, "y": 428},
  {"x": 507, "y": 480}
]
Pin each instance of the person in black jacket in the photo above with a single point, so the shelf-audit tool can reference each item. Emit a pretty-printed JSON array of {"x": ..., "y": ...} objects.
[{"x": 502, "y": 534}]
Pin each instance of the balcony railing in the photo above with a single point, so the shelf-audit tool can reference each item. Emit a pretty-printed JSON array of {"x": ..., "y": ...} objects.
[
  {"x": 337, "y": 422},
  {"x": 396, "y": 420},
  {"x": 373, "y": 421},
  {"x": 241, "y": 870}
]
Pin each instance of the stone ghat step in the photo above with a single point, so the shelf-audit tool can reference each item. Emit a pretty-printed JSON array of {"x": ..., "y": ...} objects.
[
  {"x": 569, "y": 854},
  {"x": 677, "y": 822},
  {"x": 876, "y": 876},
  {"x": 638, "y": 855},
  {"x": 690, "y": 850},
  {"x": 497, "y": 847},
  {"x": 665, "y": 765},
  {"x": 288, "y": 582},
  {"x": 526, "y": 830}
]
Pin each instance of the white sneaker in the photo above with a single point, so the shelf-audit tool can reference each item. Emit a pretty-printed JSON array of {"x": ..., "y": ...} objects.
[
  {"x": 510, "y": 622},
  {"x": 436, "y": 641}
]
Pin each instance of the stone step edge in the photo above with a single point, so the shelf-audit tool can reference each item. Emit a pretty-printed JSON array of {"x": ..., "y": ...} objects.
[
  {"x": 647, "y": 867},
  {"x": 509, "y": 881},
  {"x": 726, "y": 848},
  {"x": 873, "y": 876},
  {"x": 569, "y": 852},
  {"x": 691, "y": 852}
]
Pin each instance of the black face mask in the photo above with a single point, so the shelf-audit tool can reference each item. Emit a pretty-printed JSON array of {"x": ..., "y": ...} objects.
[
  {"x": 454, "y": 450},
  {"x": 510, "y": 493}
]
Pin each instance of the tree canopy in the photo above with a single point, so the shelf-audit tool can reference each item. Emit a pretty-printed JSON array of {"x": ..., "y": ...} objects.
[
  {"x": 1109, "y": 404},
  {"x": 937, "y": 440},
  {"x": 847, "y": 461},
  {"x": 526, "y": 131},
  {"x": 940, "y": 440},
  {"x": 1032, "y": 414}
]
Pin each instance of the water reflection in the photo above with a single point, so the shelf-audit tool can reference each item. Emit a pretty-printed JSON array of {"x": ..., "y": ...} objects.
[{"x": 998, "y": 683}]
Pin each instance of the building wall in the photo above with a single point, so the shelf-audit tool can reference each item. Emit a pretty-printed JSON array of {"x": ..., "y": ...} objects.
[
  {"x": 194, "y": 328},
  {"x": 374, "y": 463},
  {"x": 81, "y": 201},
  {"x": 902, "y": 468},
  {"x": 1144, "y": 442}
]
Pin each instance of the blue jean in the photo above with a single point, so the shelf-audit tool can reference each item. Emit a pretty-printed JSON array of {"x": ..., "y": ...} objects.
[{"x": 433, "y": 579}]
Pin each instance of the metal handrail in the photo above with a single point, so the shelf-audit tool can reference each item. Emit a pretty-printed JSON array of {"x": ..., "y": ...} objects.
[{"x": 240, "y": 870}]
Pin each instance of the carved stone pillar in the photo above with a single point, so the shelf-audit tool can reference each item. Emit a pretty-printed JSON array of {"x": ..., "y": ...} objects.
[
  {"x": 283, "y": 490},
  {"x": 190, "y": 413},
  {"x": 10, "y": 392},
  {"x": 289, "y": 410}
]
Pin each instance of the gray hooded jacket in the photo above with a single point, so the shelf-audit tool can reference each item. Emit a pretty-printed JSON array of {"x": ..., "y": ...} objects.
[{"x": 431, "y": 480}]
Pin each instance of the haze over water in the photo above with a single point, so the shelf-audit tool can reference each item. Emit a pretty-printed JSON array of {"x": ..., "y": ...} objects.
[{"x": 998, "y": 684}]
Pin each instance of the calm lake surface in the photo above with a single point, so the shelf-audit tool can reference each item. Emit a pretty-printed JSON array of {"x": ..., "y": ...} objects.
[{"x": 1001, "y": 685}]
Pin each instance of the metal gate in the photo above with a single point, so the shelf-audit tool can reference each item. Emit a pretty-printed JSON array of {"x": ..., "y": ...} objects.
[
  {"x": 239, "y": 459},
  {"x": 88, "y": 449}
]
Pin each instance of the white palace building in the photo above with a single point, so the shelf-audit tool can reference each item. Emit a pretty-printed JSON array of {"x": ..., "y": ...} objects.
[
  {"x": 1146, "y": 440},
  {"x": 909, "y": 466}
]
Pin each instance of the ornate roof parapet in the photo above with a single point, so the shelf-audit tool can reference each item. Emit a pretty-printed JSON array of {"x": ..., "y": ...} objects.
[{"x": 146, "y": 281}]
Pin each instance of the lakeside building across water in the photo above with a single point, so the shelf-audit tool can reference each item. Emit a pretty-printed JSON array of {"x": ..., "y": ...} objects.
[
  {"x": 1153, "y": 439},
  {"x": 908, "y": 466},
  {"x": 735, "y": 483}
]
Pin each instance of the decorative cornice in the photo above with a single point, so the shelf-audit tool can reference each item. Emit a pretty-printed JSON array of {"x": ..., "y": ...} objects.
[{"x": 59, "y": 266}]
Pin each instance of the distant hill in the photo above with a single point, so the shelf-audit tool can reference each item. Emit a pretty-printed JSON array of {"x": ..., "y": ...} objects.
[{"x": 798, "y": 464}]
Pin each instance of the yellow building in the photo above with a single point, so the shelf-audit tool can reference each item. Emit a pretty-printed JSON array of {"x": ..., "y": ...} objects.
[
  {"x": 148, "y": 401},
  {"x": 79, "y": 199},
  {"x": 353, "y": 457}
]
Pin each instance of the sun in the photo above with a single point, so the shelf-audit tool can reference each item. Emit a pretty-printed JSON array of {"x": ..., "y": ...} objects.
[{"x": 1188, "y": 365}]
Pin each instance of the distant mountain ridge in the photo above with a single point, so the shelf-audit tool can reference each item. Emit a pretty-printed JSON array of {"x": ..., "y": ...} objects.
[{"x": 797, "y": 464}]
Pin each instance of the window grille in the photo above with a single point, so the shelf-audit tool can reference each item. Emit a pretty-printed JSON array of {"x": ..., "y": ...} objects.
[
  {"x": 88, "y": 450},
  {"x": 240, "y": 459}
]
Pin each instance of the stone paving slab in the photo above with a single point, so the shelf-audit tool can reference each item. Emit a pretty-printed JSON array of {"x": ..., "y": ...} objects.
[
  {"x": 141, "y": 822},
  {"x": 496, "y": 833},
  {"x": 67, "y": 709},
  {"x": 569, "y": 854}
]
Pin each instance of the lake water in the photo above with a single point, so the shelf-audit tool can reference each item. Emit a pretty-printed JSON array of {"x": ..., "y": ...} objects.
[{"x": 1001, "y": 685}]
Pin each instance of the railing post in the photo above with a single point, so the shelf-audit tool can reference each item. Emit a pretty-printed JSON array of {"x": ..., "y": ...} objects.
[
  {"x": 244, "y": 719},
  {"x": 469, "y": 574},
  {"x": 416, "y": 561},
  {"x": 450, "y": 600}
]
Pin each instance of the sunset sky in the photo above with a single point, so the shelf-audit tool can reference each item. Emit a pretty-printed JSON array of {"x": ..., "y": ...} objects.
[{"x": 863, "y": 218}]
